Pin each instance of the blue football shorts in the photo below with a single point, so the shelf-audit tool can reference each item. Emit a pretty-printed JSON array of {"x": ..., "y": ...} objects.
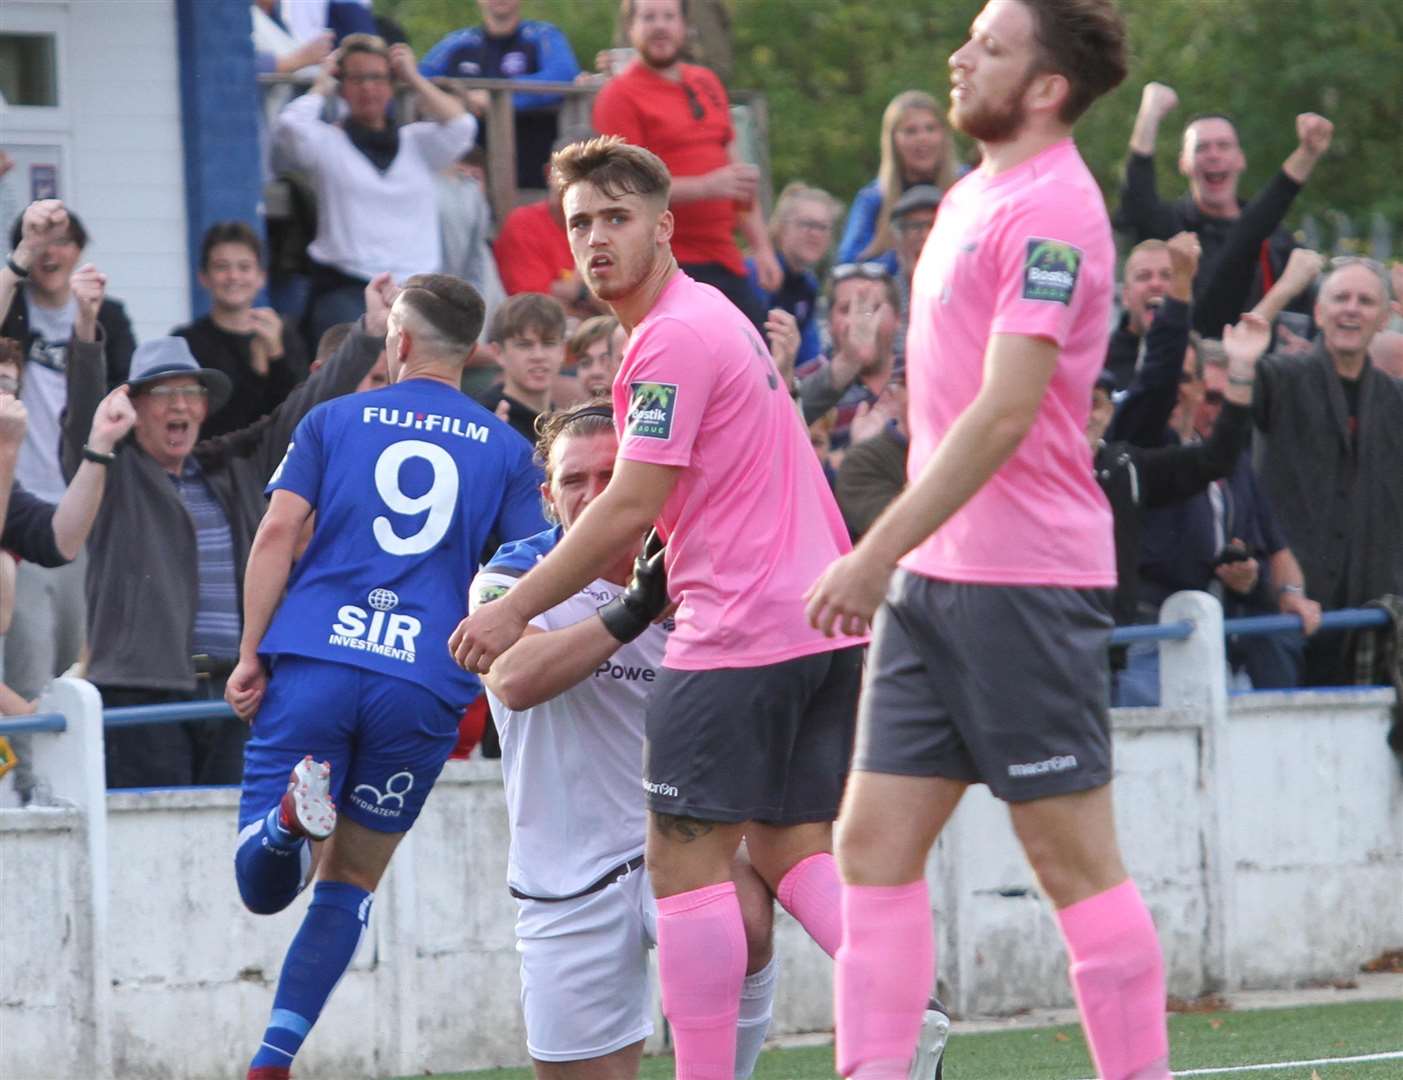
[{"x": 386, "y": 738}]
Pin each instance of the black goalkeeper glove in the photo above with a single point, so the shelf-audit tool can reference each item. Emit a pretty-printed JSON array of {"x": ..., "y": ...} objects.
[{"x": 629, "y": 614}]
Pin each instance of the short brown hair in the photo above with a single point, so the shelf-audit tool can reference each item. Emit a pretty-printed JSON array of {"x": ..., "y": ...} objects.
[
  {"x": 528, "y": 311},
  {"x": 451, "y": 307},
  {"x": 593, "y": 329},
  {"x": 614, "y": 166},
  {"x": 371, "y": 44},
  {"x": 230, "y": 232},
  {"x": 587, "y": 418},
  {"x": 1085, "y": 42}
]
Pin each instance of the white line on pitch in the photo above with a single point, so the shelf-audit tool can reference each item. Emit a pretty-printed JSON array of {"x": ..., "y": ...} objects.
[{"x": 1392, "y": 1055}]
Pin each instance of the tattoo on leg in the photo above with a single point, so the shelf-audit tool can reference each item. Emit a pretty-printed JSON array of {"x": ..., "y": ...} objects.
[{"x": 684, "y": 829}]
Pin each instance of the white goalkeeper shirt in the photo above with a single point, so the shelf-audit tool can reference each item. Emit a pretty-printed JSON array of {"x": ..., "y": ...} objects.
[{"x": 573, "y": 766}]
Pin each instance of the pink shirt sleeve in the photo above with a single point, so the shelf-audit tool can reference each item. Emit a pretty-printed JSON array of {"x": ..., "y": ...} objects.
[
  {"x": 666, "y": 383},
  {"x": 1041, "y": 248}
]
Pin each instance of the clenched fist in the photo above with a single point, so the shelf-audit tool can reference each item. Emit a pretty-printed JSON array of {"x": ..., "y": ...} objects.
[
  {"x": 89, "y": 286},
  {"x": 1314, "y": 133},
  {"x": 1184, "y": 253},
  {"x": 1158, "y": 99}
]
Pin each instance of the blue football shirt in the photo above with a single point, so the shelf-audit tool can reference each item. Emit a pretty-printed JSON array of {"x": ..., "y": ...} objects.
[{"x": 407, "y": 483}]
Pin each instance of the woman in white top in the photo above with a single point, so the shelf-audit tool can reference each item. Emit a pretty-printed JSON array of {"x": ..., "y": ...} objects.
[{"x": 376, "y": 204}]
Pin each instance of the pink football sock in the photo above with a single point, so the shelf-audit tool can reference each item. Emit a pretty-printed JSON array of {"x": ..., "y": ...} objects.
[
  {"x": 1117, "y": 974},
  {"x": 883, "y": 977},
  {"x": 701, "y": 965},
  {"x": 812, "y": 893}
]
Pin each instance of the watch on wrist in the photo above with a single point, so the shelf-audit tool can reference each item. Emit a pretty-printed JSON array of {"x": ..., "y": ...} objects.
[
  {"x": 1294, "y": 590},
  {"x": 15, "y": 268}
]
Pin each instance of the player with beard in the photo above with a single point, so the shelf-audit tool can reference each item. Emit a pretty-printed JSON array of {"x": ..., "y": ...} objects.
[
  {"x": 749, "y": 727},
  {"x": 988, "y": 661}
]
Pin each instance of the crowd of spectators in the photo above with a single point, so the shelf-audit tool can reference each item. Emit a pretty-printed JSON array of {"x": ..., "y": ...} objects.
[{"x": 1247, "y": 428}]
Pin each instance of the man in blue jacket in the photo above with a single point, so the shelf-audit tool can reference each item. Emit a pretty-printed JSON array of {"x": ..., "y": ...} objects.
[{"x": 506, "y": 46}]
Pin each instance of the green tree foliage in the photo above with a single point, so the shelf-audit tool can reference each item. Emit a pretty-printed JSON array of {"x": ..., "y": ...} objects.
[{"x": 828, "y": 67}]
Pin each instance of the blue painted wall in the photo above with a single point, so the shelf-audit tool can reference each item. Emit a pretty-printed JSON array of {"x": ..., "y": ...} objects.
[{"x": 219, "y": 118}]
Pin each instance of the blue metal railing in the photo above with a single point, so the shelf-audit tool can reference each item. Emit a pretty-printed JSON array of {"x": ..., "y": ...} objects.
[
  {"x": 23, "y": 725},
  {"x": 1253, "y": 626},
  {"x": 172, "y": 713},
  {"x": 176, "y": 712}
]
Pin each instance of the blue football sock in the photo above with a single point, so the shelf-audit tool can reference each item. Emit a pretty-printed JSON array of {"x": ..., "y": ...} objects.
[
  {"x": 270, "y": 865},
  {"x": 317, "y": 958}
]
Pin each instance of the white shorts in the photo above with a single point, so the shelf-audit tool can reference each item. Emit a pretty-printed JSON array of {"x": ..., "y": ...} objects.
[{"x": 585, "y": 987}]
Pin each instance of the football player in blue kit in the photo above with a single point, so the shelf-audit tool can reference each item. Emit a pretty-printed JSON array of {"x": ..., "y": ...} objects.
[{"x": 354, "y": 690}]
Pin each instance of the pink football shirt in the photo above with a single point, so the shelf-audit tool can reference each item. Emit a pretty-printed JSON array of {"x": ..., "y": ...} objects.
[
  {"x": 1026, "y": 252},
  {"x": 751, "y": 523}
]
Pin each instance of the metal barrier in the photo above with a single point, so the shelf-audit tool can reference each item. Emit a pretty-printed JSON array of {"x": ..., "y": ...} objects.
[
  {"x": 749, "y": 114},
  {"x": 1176, "y": 630},
  {"x": 1253, "y": 626}
]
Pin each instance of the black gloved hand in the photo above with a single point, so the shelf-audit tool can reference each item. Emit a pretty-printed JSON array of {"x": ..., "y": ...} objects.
[{"x": 629, "y": 614}]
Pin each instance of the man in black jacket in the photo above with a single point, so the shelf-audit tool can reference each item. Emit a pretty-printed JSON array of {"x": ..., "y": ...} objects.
[
  {"x": 1244, "y": 246},
  {"x": 166, "y": 558},
  {"x": 1330, "y": 453}
]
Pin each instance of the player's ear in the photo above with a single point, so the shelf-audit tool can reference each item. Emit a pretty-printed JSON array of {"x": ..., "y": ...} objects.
[{"x": 662, "y": 231}]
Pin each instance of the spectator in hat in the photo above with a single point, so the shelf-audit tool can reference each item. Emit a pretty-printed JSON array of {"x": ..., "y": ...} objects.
[
  {"x": 167, "y": 552},
  {"x": 912, "y": 218}
]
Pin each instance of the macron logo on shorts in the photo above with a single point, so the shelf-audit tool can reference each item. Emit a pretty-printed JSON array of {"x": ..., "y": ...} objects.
[
  {"x": 1050, "y": 271},
  {"x": 1061, "y": 763},
  {"x": 651, "y": 406},
  {"x": 666, "y": 790}
]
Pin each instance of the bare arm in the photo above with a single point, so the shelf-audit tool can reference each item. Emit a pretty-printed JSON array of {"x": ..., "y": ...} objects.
[
  {"x": 436, "y": 104},
  {"x": 546, "y": 663},
  {"x": 612, "y": 523},
  {"x": 77, "y": 510},
  {"x": 1313, "y": 133},
  {"x": 1017, "y": 370},
  {"x": 265, "y": 579},
  {"x": 1302, "y": 267},
  {"x": 1156, "y": 102}
]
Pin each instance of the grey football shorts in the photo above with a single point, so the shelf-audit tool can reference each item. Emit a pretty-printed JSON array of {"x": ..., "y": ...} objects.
[
  {"x": 1004, "y": 685},
  {"x": 770, "y": 744}
]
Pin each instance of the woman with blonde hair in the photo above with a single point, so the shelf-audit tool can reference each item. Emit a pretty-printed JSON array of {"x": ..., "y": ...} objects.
[{"x": 916, "y": 149}]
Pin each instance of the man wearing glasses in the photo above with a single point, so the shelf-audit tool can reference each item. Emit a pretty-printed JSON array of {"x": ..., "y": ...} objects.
[
  {"x": 681, "y": 113},
  {"x": 169, "y": 545},
  {"x": 1330, "y": 442}
]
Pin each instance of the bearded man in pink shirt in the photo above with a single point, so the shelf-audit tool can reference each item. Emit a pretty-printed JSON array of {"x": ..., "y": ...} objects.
[
  {"x": 988, "y": 660},
  {"x": 749, "y": 727}
]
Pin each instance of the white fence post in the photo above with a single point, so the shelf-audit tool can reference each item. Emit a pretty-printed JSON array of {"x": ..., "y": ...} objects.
[
  {"x": 71, "y": 764},
  {"x": 1193, "y": 676}
]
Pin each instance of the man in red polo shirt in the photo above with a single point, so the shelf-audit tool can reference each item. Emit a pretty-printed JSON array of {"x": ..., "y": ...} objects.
[{"x": 681, "y": 113}]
